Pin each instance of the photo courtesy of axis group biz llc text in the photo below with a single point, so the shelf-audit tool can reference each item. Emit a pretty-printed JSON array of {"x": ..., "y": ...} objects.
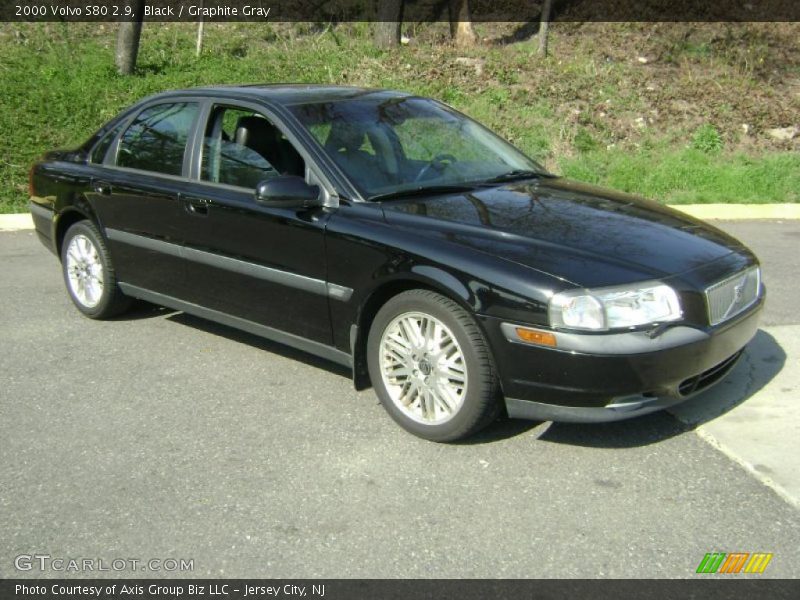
[{"x": 177, "y": 589}]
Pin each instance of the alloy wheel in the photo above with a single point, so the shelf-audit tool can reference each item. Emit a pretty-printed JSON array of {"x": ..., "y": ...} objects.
[
  {"x": 423, "y": 368},
  {"x": 84, "y": 271}
]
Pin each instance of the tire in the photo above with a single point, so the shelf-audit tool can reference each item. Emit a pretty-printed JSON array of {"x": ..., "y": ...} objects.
[
  {"x": 89, "y": 273},
  {"x": 431, "y": 367}
]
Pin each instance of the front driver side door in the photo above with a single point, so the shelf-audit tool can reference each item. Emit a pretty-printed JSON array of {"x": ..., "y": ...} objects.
[{"x": 261, "y": 264}]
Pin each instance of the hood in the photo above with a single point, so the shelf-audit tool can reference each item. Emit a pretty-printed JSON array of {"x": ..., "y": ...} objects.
[{"x": 583, "y": 234}]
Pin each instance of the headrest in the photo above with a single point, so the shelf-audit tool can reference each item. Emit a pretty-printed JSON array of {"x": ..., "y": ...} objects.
[
  {"x": 254, "y": 132},
  {"x": 345, "y": 136}
]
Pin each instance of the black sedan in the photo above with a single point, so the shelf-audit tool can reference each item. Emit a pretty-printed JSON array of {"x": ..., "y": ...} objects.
[{"x": 392, "y": 234}]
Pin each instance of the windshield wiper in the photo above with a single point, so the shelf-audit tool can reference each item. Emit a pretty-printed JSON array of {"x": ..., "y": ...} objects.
[
  {"x": 515, "y": 175},
  {"x": 423, "y": 191}
]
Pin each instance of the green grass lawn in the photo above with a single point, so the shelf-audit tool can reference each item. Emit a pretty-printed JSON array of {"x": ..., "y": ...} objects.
[
  {"x": 59, "y": 85},
  {"x": 692, "y": 177}
]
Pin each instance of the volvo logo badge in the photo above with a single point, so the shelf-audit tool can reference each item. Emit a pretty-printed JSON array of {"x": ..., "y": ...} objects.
[{"x": 738, "y": 294}]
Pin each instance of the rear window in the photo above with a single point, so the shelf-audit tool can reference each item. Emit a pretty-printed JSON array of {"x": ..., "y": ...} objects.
[{"x": 156, "y": 140}]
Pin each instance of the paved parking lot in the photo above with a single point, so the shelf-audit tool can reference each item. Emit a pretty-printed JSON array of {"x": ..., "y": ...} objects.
[{"x": 163, "y": 436}]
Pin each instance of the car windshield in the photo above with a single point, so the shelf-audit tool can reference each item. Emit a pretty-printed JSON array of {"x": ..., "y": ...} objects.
[{"x": 391, "y": 146}]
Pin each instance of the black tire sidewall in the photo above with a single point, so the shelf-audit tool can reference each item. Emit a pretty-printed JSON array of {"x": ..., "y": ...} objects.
[
  {"x": 88, "y": 230},
  {"x": 470, "y": 416}
]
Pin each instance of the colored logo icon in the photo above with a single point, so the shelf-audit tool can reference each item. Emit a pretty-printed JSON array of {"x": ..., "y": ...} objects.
[{"x": 734, "y": 562}]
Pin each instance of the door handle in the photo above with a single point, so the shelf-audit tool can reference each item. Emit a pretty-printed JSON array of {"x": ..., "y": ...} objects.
[
  {"x": 196, "y": 206},
  {"x": 101, "y": 187}
]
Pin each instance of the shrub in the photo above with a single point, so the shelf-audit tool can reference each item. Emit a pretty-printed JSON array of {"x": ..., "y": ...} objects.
[{"x": 707, "y": 139}]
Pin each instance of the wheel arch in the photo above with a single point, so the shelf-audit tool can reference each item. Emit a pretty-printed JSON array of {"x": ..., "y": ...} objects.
[{"x": 66, "y": 219}]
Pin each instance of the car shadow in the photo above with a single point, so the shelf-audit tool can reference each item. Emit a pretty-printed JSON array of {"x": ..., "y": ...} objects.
[
  {"x": 761, "y": 362},
  {"x": 504, "y": 428},
  {"x": 143, "y": 310},
  {"x": 630, "y": 433},
  {"x": 237, "y": 335}
]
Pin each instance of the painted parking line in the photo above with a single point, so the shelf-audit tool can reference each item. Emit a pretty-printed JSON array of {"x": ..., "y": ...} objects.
[{"x": 753, "y": 416}]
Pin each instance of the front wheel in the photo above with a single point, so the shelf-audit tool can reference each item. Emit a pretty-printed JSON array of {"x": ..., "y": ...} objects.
[
  {"x": 89, "y": 273},
  {"x": 431, "y": 367}
]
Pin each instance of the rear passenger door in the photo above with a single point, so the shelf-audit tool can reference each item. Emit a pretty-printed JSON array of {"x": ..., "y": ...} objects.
[
  {"x": 262, "y": 264},
  {"x": 137, "y": 196}
]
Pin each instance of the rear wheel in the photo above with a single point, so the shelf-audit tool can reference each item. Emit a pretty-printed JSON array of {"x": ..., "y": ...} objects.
[
  {"x": 89, "y": 273},
  {"x": 431, "y": 367}
]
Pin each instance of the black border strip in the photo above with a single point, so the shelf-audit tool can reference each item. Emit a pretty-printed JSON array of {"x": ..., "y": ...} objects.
[
  {"x": 707, "y": 587},
  {"x": 327, "y": 11}
]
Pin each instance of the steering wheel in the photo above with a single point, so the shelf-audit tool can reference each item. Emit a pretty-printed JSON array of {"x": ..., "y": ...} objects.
[{"x": 440, "y": 162}]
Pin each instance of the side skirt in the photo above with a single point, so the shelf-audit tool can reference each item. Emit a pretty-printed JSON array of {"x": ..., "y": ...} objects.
[{"x": 295, "y": 341}]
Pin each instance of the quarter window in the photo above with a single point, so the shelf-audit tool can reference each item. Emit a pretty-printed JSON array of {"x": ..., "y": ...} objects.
[
  {"x": 101, "y": 148},
  {"x": 156, "y": 140}
]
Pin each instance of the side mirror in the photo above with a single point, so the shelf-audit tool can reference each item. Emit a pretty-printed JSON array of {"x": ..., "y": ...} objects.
[{"x": 287, "y": 191}]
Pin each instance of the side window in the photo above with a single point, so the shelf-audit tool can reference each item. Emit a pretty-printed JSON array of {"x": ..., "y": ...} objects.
[
  {"x": 242, "y": 148},
  {"x": 101, "y": 148},
  {"x": 156, "y": 140}
]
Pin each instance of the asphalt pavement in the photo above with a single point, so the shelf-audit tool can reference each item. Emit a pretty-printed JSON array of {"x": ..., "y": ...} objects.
[{"x": 162, "y": 436}]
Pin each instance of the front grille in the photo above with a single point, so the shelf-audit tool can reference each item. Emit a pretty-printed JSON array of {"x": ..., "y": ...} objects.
[
  {"x": 731, "y": 296},
  {"x": 709, "y": 377}
]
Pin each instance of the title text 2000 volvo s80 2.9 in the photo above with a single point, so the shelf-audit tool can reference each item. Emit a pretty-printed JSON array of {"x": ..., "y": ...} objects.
[{"x": 392, "y": 234}]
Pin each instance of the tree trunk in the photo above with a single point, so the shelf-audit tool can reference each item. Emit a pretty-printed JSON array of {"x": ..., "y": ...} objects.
[
  {"x": 386, "y": 32},
  {"x": 128, "y": 41},
  {"x": 198, "y": 49},
  {"x": 544, "y": 27},
  {"x": 461, "y": 23}
]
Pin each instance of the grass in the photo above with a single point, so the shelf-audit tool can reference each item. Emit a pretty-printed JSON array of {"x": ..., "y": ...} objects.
[
  {"x": 575, "y": 112},
  {"x": 691, "y": 176}
]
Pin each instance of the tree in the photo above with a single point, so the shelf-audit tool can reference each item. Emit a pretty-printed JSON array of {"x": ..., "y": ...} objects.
[
  {"x": 461, "y": 23},
  {"x": 128, "y": 37},
  {"x": 386, "y": 32},
  {"x": 198, "y": 49},
  {"x": 544, "y": 27}
]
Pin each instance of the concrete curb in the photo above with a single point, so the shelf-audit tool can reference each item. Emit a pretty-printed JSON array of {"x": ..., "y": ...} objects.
[
  {"x": 22, "y": 221},
  {"x": 16, "y": 222},
  {"x": 740, "y": 211}
]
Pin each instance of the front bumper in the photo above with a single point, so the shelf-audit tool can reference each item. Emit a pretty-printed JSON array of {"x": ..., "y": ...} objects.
[{"x": 608, "y": 377}]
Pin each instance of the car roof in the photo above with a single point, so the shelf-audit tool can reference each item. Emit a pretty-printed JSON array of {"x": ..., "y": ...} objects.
[{"x": 287, "y": 94}]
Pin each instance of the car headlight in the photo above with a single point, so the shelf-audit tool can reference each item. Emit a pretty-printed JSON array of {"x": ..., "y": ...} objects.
[{"x": 614, "y": 308}]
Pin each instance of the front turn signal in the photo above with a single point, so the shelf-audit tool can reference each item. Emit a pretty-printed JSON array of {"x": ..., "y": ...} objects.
[{"x": 535, "y": 336}]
